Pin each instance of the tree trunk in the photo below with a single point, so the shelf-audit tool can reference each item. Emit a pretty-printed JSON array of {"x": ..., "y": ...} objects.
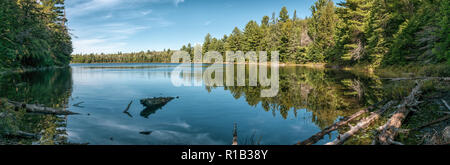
[
  {"x": 315, "y": 138},
  {"x": 34, "y": 108},
  {"x": 361, "y": 125},
  {"x": 390, "y": 129}
]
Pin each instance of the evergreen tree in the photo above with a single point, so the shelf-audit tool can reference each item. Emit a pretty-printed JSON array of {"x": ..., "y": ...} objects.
[
  {"x": 234, "y": 41},
  {"x": 322, "y": 26},
  {"x": 350, "y": 44},
  {"x": 252, "y": 37},
  {"x": 206, "y": 43},
  {"x": 284, "y": 16}
]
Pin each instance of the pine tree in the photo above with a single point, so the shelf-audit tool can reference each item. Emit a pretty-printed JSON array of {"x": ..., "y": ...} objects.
[
  {"x": 284, "y": 16},
  {"x": 252, "y": 37},
  {"x": 321, "y": 28},
  {"x": 234, "y": 41},
  {"x": 206, "y": 43},
  {"x": 351, "y": 29}
]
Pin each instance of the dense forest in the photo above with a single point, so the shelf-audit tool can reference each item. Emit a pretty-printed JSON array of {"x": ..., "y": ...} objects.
[
  {"x": 368, "y": 33},
  {"x": 140, "y": 57},
  {"x": 33, "y": 34},
  {"x": 354, "y": 32}
]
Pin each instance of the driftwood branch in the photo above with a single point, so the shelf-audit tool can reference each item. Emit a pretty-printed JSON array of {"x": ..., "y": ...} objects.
[
  {"x": 364, "y": 123},
  {"x": 21, "y": 134},
  {"x": 34, "y": 108},
  {"x": 390, "y": 129},
  {"x": 315, "y": 138},
  {"x": 128, "y": 107},
  {"x": 445, "y": 103}
]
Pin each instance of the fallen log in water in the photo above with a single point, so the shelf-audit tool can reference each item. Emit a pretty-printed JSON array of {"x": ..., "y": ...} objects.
[
  {"x": 154, "y": 104},
  {"x": 315, "y": 138},
  {"x": 149, "y": 102},
  {"x": 21, "y": 134},
  {"x": 128, "y": 107},
  {"x": 392, "y": 126},
  {"x": 361, "y": 125},
  {"x": 35, "y": 108}
]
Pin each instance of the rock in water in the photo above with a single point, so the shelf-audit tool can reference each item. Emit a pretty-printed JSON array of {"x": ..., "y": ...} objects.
[{"x": 150, "y": 102}]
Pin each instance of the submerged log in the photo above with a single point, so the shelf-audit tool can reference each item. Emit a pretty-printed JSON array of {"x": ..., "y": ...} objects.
[
  {"x": 145, "y": 132},
  {"x": 364, "y": 123},
  {"x": 154, "y": 104},
  {"x": 156, "y": 101},
  {"x": 35, "y": 108},
  {"x": 315, "y": 138},
  {"x": 392, "y": 126}
]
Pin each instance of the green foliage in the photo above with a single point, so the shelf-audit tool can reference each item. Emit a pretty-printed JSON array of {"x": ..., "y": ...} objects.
[
  {"x": 284, "y": 14},
  {"x": 33, "y": 34},
  {"x": 350, "y": 34},
  {"x": 288, "y": 36},
  {"x": 366, "y": 33},
  {"x": 140, "y": 57},
  {"x": 321, "y": 28}
]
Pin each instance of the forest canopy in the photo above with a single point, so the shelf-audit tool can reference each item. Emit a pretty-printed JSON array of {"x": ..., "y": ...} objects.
[
  {"x": 354, "y": 32},
  {"x": 33, "y": 34},
  {"x": 369, "y": 32}
]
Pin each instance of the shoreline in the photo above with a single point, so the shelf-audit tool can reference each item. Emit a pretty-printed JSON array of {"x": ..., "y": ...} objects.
[
  {"x": 313, "y": 65},
  {"x": 23, "y": 70}
]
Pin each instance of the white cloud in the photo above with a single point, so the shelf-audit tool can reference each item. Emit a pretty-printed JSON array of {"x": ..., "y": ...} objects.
[
  {"x": 207, "y": 23},
  {"x": 107, "y": 25},
  {"x": 107, "y": 38},
  {"x": 178, "y": 1},
  {"x": 108, "y": 16},
  {"x": 146, "y": 12},
  {"x": 88, "y": 6}
]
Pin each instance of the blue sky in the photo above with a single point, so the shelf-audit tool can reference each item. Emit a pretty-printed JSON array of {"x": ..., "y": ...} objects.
[{"x": 110, "y": 26}]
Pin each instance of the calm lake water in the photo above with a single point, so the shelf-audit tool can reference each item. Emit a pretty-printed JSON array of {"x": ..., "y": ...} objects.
[{"x": 308, "y": 101}]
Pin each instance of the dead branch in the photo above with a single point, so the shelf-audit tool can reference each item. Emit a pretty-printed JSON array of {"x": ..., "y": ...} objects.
[
  {"x": 445, "y": 103},
  {"x": 21, "y": 134},
  {"x": 431, "y": 123},
  {"x": 315, "y": 138},
  {"x": 390, "y": 129},
  {"x": 128, "y": 107},
  {"x": 417, "y": 78},
  {"x": 364, "y": 123},
  {"x": 34, "y": 108}
]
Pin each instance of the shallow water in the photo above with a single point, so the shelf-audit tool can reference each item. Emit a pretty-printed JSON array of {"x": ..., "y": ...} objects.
[{"x": 308, "y": 101}]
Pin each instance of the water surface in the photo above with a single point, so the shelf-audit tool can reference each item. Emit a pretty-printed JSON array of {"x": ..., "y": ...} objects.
[{"x": 308, "y": 101}]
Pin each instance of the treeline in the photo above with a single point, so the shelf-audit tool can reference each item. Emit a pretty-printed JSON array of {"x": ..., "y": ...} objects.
[
  {"x": 287, "y": 35},
  {"x": 33, "y": 34},
  {"x": 363, "y": 32},
  {"x": 140, "y": 57}
]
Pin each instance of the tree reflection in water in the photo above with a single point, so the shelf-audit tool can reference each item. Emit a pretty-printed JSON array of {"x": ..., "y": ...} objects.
[
  {"x": 328, "y": 94},
  {"x": 51, "y": 87}
]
